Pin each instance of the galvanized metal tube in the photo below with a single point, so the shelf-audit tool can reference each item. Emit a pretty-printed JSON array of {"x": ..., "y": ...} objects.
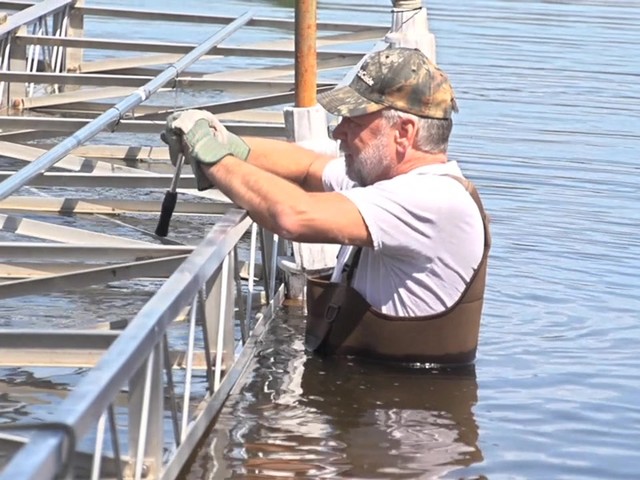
[
  {"x": 189, "y": 369},
  {"x": 173, "y": 404},
  {"x": 112, "y": 116},
  {"x": 202, "y": 298},
  {"x": 115, "y": 444},
  {"x": 274, "y": 263},
  {"x": 306, "y": 55},
  {"x": 97, "y": 450},
  {"x": 144, "y": 417},
  {"x": 221, "y": 321},
  {"x": 252, "y": 269},
  {"x": 30, "y": 14}
]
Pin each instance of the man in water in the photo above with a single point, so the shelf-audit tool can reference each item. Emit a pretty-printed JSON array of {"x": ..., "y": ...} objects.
[{"x": 414, "y": 290}]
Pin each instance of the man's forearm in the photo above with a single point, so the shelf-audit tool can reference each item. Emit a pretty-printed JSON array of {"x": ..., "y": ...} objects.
[
  {"x": 284, "y": 208},
  {"x": 289, "y": 161},
  {"x": 259, "y": 192}
]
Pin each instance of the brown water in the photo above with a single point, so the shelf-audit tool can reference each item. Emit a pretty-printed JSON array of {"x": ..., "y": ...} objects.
[{"x": 549, "y": 129}]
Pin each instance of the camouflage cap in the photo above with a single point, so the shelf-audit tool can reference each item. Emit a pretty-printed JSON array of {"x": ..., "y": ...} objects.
[{"x": 400, "y": 78}]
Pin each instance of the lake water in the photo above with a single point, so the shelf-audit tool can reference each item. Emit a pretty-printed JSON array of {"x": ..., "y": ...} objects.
[{"x": 549, "y": 129}]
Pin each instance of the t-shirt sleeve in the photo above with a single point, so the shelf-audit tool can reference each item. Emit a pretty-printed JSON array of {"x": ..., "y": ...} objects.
[{"x": 404, "y": 212}]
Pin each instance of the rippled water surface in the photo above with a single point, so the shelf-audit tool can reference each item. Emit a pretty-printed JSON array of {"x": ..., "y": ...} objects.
[{"x": 549, "y": 129}]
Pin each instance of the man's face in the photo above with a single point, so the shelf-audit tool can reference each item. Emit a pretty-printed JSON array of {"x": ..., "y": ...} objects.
[{"x": 368, "y": 147}]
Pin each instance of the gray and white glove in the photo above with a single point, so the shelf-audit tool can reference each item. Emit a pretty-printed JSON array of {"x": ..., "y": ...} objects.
[{"x": 203, "y": 140}]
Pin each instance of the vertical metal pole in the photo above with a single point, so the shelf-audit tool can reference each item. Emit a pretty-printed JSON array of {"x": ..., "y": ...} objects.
[
  {"x": 252, "y": 270},
  {"x": 73, "y": 60},
  {"x": 306, "y": 61},
  {"x": 171, "y": 391},
  {"x": 146, "y": 410},
  {"x": 115, "y": 442},
  {"x": 97, "y": 454},
  {"x": 222, "y": 320},
  {"x": 202, "y": 302},
  {"x": 4, "y": 66},
  {"x": 220, "y": 315},
  {"x": 274, "y": 267},
  {"x": 32, "y": 62},
  {"x": 186, "y": 399},
  {"x": 17, "y": 63}
]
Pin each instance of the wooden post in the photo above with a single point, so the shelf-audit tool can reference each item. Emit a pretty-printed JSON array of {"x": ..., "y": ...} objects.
[
  {"x": 306, "y": 123},
  {"x": 306, "y": 61}
]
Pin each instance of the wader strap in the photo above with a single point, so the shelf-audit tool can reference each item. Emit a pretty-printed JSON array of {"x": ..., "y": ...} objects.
[
  {"x": 352, "y": 264},
  {"x": 337, "y": 300},
  {"x": 471, "y": 190},
  {"x": 315, "y": 336}
]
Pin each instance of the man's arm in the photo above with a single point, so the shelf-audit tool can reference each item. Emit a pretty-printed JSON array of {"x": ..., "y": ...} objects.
[
  {"x": 289, "y": 161},
  {"x": 269, "y": 179},
  {"x": 285, "y": 208}
]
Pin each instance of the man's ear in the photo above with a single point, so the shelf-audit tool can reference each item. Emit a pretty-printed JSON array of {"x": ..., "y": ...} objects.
[{"x": 405, "y": 134}]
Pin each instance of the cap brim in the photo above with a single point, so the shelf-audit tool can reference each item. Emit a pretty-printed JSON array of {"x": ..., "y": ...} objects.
[{"x": 346, "y": 102}]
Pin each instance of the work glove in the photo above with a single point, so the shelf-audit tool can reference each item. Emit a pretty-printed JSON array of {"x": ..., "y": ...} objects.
[
  {"x": 174, "y": 140},
  {"x": 204, "y": 140}
]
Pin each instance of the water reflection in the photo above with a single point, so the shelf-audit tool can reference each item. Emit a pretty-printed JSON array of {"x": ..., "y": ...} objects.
[
  {"x": 423, "y": 420},
  {"x": 317, "y": 418}
]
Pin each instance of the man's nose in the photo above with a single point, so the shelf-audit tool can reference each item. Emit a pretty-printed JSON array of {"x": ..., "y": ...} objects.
[{"x": 338, "y": 131}]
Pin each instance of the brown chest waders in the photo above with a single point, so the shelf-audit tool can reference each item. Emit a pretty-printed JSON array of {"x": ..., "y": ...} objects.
[{"x": 341, "y": 322}]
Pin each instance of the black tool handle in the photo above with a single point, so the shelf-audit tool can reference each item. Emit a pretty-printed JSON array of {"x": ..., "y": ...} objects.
[
  {"x": 169, "y": 201},
  {"x": 166, "y": 211}
]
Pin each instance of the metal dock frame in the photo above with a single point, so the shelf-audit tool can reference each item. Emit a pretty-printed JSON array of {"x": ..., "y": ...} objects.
[{"x": 142, "y": 417}]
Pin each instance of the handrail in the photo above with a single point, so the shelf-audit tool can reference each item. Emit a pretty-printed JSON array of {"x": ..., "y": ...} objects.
[
  {"x": 177, "y": 16},
  {"x": 32, "y": 13},
  {"x": 116, "y": 113},
  {"x": 40, "y": 457}
]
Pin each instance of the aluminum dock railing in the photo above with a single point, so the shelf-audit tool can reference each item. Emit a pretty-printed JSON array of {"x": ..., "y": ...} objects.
[{"x": 80, "y": 191}]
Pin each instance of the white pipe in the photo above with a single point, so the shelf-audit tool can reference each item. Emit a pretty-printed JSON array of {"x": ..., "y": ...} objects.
[
  {"x": 187, "y": 379},
  {"x": 144, "y": 416},
  {"x": 407, "y": 4},
  {"x": 221, "y": 322},
  {"x": 97, "y": 454},
  {"x": 252, "y": 269}
]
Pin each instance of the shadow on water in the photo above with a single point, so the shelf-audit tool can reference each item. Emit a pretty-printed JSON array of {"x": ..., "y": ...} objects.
[{"x": 317, "y": 418}]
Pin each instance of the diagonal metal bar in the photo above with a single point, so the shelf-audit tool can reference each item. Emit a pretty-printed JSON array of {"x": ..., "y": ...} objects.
[
  {"x": 32, "y": 13},
  {"x": 112, "y": 116},
  {"x": 66, "y": 205},
  {"x": 106, "y": 252},
  {"x": 60, "y": 233},
  {"x": 93, "y": 276}
]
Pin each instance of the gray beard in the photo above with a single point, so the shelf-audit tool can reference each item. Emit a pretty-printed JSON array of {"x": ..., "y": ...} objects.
[{"x": 368, "y": 167}]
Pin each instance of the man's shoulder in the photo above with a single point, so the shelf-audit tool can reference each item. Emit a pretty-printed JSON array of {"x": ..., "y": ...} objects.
[{"x": 441, "y": 176}]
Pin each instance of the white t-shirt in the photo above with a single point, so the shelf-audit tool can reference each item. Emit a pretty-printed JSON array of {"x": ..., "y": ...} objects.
[{"x": 428, "y": 238}]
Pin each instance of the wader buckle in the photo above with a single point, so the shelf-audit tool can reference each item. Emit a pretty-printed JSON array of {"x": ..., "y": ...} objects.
[{"x": 331, "y": 312}]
